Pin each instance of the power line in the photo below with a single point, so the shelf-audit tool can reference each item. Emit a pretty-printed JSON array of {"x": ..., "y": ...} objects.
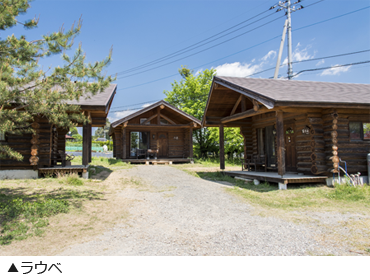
[
  {"x": 135, "y": 104},
  {"x": 160, "y": 60},
  {"x": 248, "y": 48},
  {"x": 181, "y": 42},
  {"x": 307, "y": 60},
  {"x": 202, "y": 64},
  {"x": 201, "y": 50},
  {"x": 181, "y": 51},
  {"x": 331, "y": 67}
]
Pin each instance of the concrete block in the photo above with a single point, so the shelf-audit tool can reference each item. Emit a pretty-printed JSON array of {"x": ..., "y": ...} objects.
[
  {"x": 85, "y": 175},
  {"x": 18, "y": 174},
  {"x": 283, "y": 186}
]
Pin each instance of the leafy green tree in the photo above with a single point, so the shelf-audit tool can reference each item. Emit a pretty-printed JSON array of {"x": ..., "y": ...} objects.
[
  {"x": 190, "y": 95},
  {"x": 103, "y": 131},
  {"x": 27, "y": 90},
  {"x": 73, "y": 131}
]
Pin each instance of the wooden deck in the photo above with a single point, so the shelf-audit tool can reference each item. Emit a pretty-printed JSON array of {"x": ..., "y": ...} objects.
[
  {"x": 54, "y": 170},
  {"x": 274, "y": 177},
  {"x": 158, "y": 161}
]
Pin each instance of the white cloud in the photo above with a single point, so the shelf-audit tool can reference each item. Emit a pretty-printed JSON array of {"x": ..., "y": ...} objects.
[
  {"x": 335, "y": 71},
  {"x": 299, "y": 55},
  {"x": 146, "y": 105},
  {"x": 268, "y": 55},
  {"x": 238, "y": 69},
  {"x": 320, "y": 62},
  {"x": 198, "y": 72}
]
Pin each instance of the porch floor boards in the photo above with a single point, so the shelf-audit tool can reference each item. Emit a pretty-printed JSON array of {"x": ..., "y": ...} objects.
[
  {"x": 158, "y": 161},
  {"x": 274, "y": 177}
]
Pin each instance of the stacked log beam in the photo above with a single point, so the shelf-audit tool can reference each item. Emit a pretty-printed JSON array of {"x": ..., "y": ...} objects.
[
  {"x": 34, "y": 159},
  {"x": 333, "y": 136}
]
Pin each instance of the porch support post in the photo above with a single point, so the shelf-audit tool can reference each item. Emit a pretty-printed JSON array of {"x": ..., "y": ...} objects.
[
  {"x": 222, "y": 147},
  {"x": 124, "y": 143},
  {"x": 280, "y": 142},
  {"x": 191, "y": 142},
  {"x": 86, "y": 144}
]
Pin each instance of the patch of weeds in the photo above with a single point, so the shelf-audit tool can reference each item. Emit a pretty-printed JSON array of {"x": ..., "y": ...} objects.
[
  {"x": 367, "y": 250},
  {"x": 20, "y": 219},
  {"x": 349, "y": 193},
  {"x": 70, "y": 179}
]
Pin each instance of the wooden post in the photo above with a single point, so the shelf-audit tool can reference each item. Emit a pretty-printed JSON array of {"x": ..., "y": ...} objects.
[
  {"x": 243, "y": 105},
  {"x": 222, "y": 147},
  {"x": 86, "y": 144},
  {"x": 280, "y": 142},
  {"x": 159, "y": 115},
  {"x": 191, "y": 142},
  {"x": 124, "y": 143}
]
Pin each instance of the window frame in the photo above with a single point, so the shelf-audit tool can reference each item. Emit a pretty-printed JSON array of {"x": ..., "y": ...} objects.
[
  {"x": 130, "y": 142},
  {"x": 361, "y": 131}
]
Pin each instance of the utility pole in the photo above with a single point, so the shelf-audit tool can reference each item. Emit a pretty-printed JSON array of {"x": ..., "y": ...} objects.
[{"x": 286, "y": 5}]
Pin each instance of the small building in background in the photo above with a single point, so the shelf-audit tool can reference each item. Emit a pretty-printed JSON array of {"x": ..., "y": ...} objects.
[{"x": 157, "y": 133}]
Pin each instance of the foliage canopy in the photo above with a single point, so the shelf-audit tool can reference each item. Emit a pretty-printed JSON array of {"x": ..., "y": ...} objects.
[{"x": 27, "y": 90}]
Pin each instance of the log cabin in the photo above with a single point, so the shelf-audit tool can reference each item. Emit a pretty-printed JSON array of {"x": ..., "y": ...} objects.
[
  {"x": 159, "y": 133},
  {"x": 42, "y": 152},
  {"x": 293, "y": 127}
]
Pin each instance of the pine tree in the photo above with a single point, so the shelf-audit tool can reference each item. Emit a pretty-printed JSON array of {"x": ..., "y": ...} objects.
[{"x": 27, "y": 91}]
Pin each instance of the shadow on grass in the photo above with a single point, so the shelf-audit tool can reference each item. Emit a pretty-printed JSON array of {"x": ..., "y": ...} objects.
[
  {"x": 24, "y": 214},
  {"x": 99, "y": 172},
  {"x": 219, "y": 177}
]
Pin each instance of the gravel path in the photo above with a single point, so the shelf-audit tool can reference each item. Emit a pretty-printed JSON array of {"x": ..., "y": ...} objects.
[{"x": 179, "y": 214}]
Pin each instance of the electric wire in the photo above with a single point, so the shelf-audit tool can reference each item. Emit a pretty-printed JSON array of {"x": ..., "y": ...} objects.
[
  {"x": 307, "y": 60},
  {"x": 136, "y": 104},
  {"x": 150, "y": 69},
  {"x": 171, "y": 56},
  {"x": 181, "y": 51},
  {"x": 331, "y": 67},
  {"x": 278, "y": 36}
]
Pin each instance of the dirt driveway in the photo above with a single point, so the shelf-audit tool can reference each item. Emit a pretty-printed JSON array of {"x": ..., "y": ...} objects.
[{"x": 178, "y": 214}]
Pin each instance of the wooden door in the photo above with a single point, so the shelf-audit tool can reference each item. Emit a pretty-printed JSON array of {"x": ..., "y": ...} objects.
[
  {"x": 162, "y": 144},
  {"x": 290, "y": 149}
]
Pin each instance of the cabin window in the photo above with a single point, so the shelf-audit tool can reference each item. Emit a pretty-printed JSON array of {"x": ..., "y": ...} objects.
[
  {"x": 138, "y": 140},
  {"x": 2, "y": 136},
  {"x": 359, "y": 131},
  {"x": 163, "y": 121},
  {"x": 143, "y": 120}
]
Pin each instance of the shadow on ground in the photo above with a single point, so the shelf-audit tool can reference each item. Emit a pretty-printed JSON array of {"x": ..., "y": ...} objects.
[{"x": 262, "y": 187}]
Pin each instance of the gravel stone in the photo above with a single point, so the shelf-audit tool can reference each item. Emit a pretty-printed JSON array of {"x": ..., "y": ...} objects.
[{"x": 180, "y": 214}]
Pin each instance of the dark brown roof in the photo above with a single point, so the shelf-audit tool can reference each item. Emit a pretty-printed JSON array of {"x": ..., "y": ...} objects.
[
  {"x": 99, "y": 99},
  {"x": 148, "y": 108},
  {"x": 276, "y": 91}
]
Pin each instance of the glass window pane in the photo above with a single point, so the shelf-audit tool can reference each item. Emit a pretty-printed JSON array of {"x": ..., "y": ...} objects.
[
  {"x": 2, "y": 136},
  {"x": 355, "y": 130},
  {"x": 366, "y": 127},
  {"x": 139, "y": 140}
]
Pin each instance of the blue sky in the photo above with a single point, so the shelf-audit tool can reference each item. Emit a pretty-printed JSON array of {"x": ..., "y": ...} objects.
[{"x": 143, "y": 31}]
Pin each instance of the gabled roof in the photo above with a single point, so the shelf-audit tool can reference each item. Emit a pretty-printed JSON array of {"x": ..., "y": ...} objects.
[
  {"x": 155, "y": 105},
  {"x": 100, "y": 99},
  {"x": 270, "y": 92}
]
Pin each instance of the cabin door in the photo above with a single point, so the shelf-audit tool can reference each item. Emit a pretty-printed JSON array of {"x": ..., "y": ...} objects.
[
  {"x": 162, "y": 144},
  {"x": 290, "y": 149}
]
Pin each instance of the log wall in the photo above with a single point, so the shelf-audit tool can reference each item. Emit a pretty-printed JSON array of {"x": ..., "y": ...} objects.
[
  {"x": 318, "y": 152},
  {"x": 177, "y": 148}
]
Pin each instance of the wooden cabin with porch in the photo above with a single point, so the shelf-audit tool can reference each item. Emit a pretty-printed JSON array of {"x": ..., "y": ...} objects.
[
  {"x": 44, "y": 153},
  {"x": 159, "y": 133},
  {"x": 294, "y": 131}
]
